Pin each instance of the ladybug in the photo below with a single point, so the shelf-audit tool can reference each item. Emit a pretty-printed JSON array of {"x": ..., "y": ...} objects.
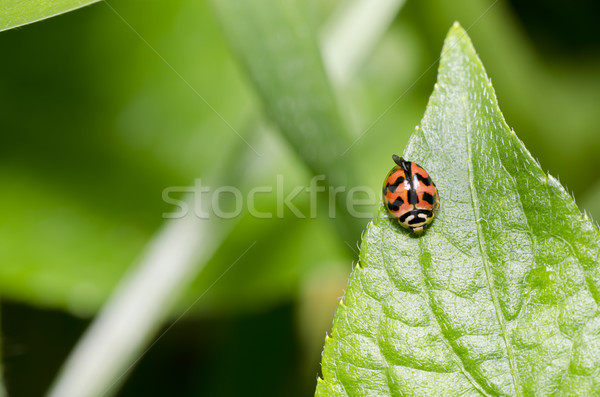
[{"x": 410, "y": 195}]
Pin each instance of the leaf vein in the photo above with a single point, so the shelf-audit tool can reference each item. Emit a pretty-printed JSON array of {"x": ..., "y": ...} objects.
[{"x": 486, "y": 266}]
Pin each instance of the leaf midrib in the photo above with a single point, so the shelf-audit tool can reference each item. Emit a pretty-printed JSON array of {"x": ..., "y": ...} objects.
[{"x": 486, "y": 266}]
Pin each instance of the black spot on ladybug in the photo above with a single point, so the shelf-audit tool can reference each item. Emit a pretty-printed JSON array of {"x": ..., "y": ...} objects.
[
  {"x": 428, "y": 197},
  {"x": 413, "y": 198},
  {"x": 393, "y": 186},
  {"x": 424, "y": 181},
  {"x": 395, "y": 206},
  {"x": 398, "y": 181}
]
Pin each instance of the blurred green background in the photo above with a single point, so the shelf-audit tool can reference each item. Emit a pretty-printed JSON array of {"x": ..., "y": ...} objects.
[{"x": 95, "y": 125}]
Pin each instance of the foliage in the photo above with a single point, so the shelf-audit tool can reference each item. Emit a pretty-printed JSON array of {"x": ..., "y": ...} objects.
[
  {"x": 16, "y": 13},
  {"x": 500, "y": 296},
  {"x": 95, "y": 125}
]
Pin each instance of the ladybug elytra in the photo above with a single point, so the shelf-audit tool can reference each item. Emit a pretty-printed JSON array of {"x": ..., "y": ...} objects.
[{"x": 410, "y": 195}]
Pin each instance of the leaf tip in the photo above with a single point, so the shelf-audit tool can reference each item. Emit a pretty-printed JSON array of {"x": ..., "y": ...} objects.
[
  {"x": 457, "y": 40},
  {"x": 457, "y": 30}
]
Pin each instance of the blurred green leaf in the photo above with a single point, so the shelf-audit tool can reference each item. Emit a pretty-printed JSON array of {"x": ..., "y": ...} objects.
[
  {"x": 86, "y": 172},
  {"x": 500, "y": 296},
  {"x": 278, "y": 46},
  {"x": 90, "y": 201},
  {"x": 93, "y": 246},
  {"x": 17, "y": 12}
]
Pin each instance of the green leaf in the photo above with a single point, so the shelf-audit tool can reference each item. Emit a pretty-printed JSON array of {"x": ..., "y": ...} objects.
[
  {"x": 17, "y": 12},
  {"x": 499, "y": 297},
  {"x": 277, "y": 45}
]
